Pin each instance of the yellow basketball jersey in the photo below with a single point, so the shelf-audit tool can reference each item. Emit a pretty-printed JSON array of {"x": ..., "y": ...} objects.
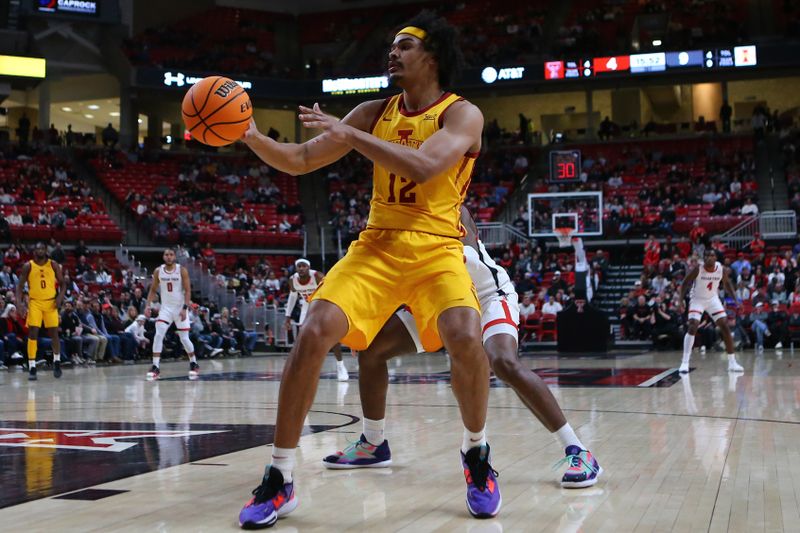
[
  {"x": 42, "y": 281},
  {"x": 397, "y": 202}
]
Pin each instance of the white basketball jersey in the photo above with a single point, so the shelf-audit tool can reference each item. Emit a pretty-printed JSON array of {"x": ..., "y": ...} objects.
[
  {"x": 706, "y": 284},
  {"x": 490, "y": 280},
  {"x": 171, "y": 286},
  {"x": 305, "y": 291}
]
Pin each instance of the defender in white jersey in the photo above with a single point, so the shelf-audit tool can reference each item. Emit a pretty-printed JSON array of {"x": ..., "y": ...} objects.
[
  {"x": 705, "y": 282},
  {"x": 175, "y": 291},
  {"x": 302, "y": 285},
  {"x": 500, "y": 325}
]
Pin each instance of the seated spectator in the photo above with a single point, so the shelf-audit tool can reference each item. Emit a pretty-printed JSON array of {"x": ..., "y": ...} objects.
[
  {"x": 558, "y": 284},
  {"x": 778, "y": 325},
  {"x": 641, "y": 325},
  {"x": 749, "y": 208},
  {"x": 664, "y": 322},
  {"x": 740, "y": 263},
  {"x": 757, "y": 245},
  {"x": 758, "y": 320},
  {"x": 742, "y": 292},
  {"x": 137, "y": 330},
  {"x": 244, "y": 338},
  {"x": 551, "y": 306},
  {"x": 659, "y": 284},
  {"x": 526, "y": 309},
  {"x": 14, "y": 335},
  {"x": 778, "y": 294}
]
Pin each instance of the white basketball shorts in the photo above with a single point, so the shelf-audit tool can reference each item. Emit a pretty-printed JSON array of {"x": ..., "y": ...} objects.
[{"x": 712, "y": 306}]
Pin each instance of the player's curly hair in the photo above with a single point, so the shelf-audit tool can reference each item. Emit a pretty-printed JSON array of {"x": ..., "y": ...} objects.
[{"x": 442, "y": 42}]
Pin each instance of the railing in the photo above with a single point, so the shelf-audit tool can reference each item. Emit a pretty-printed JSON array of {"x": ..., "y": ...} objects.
[
  {"x": 771, "y": 225},
  {"x": 498, "y": 234},
  {"x": 129, "y": 261}
]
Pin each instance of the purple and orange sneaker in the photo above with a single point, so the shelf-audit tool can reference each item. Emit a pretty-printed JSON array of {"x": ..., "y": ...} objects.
[
  {"x": 271, "y": 500},
  {"x": 583, "y": 468},
  {"x": 483, "y": 492},
  {"x": 360, "y": 454}
]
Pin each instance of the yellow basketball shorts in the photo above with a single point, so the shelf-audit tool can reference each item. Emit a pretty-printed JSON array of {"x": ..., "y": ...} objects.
[
  {"x": 42, "y": 310},
  {"x": 385, "y": 269}
]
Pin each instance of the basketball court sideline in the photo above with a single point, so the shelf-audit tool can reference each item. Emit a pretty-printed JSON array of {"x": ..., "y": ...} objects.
[{"x": 709, "y": 451}]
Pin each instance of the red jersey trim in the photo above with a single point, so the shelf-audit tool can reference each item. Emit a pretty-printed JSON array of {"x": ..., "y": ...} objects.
[
  {"x": 379, "y": 114},
  {"x": 402, "y": 110}
]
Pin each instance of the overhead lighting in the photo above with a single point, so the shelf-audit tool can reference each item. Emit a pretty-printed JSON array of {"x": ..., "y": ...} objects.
[
  {"x": 66, "y": 109},
  {"x": 140, "y": 121},
  {"x": 657, "y": 42},
  {"x": 114, "y": 114},
  {"x": 88, "y": 115},
  {"x": 93, "y": 106}
]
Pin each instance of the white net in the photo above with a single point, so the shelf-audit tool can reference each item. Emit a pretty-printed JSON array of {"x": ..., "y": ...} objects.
[{"x": 564, "y": 236}]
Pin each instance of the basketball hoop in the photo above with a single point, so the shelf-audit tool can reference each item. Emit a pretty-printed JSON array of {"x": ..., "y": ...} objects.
[{"x": 564, "y": 236}]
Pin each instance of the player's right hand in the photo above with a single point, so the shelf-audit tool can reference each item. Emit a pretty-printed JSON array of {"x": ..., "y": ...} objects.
[
  {"x": 288, "y": 324},
  {"x": 251, "y": 132}
]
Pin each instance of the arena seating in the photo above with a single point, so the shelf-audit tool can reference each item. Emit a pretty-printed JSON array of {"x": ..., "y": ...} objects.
[
  {"x": 231, "y": 40},
  {"x": 30, "y": 183},
  {"x": 183, "y": 199}
]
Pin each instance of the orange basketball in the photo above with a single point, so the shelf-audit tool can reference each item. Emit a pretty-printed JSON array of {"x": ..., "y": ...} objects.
[{"x": 216, "y": 111}]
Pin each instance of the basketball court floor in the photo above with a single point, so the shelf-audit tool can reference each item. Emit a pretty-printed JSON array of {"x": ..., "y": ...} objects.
[{"x": 103, "y": 450}]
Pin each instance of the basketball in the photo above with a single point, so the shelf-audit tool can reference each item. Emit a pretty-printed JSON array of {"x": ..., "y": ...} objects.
[{"x": 216, "y": 111}]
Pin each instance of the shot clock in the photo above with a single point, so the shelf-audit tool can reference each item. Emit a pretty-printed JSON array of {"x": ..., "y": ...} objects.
[{"x": 565, "y": 166}]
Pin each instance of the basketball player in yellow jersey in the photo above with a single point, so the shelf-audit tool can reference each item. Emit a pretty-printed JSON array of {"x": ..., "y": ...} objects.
[
  {"x": 423, "y": 143},
  {"x": 45, "y": 294}
]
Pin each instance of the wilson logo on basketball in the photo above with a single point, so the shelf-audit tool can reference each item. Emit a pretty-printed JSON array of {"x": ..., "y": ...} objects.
[
  {"x": 225, "y": 89},
  {"x": 70, "y": 439}
]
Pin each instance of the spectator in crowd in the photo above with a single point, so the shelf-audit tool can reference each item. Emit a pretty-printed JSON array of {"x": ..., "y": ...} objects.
[
  {"x": 758, "y": 321},
  {"x": 740, "y": 263},
  {"x": 557, "y": 285},
  {"x": 757, "y": 244},
  {"x": 246, "y": 339},
  {"x": 778, "y": 324},
  {"x": 551, "y": 306},
  {"x": 14, "y": 219},
  {"x": 137, "y": 330},
  {"x": 664, "y": 322},
  {"x": 14, "y": 334},
  {"x": 749, "y": 208},
  {"x": 89, "y": 329},
  {"x": 70, "y": 331},
  {"x": 641, "y": 325}
]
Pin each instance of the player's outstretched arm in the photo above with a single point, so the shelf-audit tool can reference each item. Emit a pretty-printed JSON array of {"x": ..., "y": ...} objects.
[
  {"x": 151, "y": 294},
  {"x": 730, "y": 289},
  {"x": 687, "y": 281},
  {"x": 294, "y": 158},
  {"x": 461, "y": 132},
  {"x": 62, "y": 289},
  {"x": 23, "y": 279}
]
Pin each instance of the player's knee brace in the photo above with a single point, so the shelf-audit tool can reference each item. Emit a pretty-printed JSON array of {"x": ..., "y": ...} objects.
[
  {"x": 187, "y": 344},
  {"x": 161, "y": 332}
]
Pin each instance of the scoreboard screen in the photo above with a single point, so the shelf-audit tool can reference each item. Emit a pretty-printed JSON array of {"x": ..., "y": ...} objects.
[{"x": 565, "y": 166}]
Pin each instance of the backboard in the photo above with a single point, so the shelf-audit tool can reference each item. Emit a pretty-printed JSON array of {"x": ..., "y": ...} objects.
[{"x": 581, "y": 211}]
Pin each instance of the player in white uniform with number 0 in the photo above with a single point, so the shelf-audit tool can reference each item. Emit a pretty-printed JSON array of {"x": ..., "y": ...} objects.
[
  {"x": 705, "y": 280},
  {"x": 175, "y": 291},
  {"x": 500, "y": 328},
  {"x": 302, "y": 285}
]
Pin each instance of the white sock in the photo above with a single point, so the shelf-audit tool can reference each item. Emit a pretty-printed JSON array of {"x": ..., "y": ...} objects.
[
  {"x": 157, "y": 361},
  {"x": 192, "y": 358},
  {"x": 56, "y": 357},
  {"x": 567, "y": 437},
  {"x": 373, "y": 431},
  {"x": 283, "y": 460},
  {"x": 339, "y": 364},
  {"x": 473, "y": 440},
  {"x": 688, "y": 344},
  {"x": 731, "y": 357},
  {"x": 31, "y": 363}
]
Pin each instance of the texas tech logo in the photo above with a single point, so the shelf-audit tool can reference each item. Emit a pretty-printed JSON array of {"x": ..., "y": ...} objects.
[
  {"x": 100, "y": 441},
  {"x": 579, "y": 304}
]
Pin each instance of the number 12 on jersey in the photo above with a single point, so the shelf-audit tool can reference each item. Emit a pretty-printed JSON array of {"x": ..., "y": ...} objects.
[{"x": 406, "y": 196}]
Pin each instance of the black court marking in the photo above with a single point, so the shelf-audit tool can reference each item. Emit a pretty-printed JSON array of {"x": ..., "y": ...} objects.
[
  {"x": 209, "y": 464},
  {"x": 562, "y": 377},
  {"x": 42, "y": 459},
  {"x": 90, "y": 495}
]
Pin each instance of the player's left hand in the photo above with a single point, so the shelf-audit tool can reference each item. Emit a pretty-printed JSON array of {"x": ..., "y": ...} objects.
[{"x": 315, "y": 118}]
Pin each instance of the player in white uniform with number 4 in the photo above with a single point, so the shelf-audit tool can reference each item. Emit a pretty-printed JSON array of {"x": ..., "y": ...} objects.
[
  {"x": 175, "y": 291},
  {"x": 500, "y": 328},
  {"x": 302, "y": 285},
  {"x": 705, "y": 280}
]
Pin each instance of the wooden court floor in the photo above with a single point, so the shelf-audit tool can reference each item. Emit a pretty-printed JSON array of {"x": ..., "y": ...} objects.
[{"x": 103, "y": 450}]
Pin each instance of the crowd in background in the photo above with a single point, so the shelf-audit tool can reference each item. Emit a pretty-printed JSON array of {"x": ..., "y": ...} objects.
[{"x": 764, "y": 311}]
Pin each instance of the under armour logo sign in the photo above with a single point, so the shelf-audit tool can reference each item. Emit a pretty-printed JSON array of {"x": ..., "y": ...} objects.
[{"x": 178, "y": 79}]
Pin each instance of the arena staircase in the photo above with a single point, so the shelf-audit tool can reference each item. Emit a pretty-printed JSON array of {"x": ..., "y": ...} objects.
[
  {"x": 773, "y": 194},
  {"x": 619, "y": 281}
]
